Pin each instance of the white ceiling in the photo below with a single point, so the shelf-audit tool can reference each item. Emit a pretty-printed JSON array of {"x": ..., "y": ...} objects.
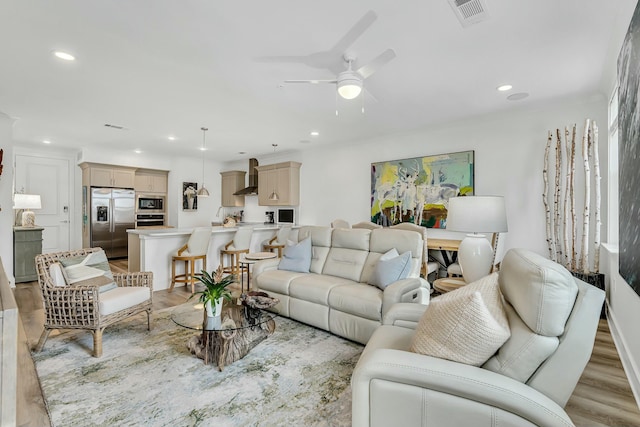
[{"x": 169, "y": 67}]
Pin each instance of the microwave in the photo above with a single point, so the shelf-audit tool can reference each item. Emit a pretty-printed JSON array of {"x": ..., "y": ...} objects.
[
  {"x": 146, "y": 203},
  {"x": 286, "y": 216}
]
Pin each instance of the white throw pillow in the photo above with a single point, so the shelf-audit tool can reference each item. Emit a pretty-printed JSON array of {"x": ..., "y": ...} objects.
[
  {"x": 296, "y": 257},
  {"x": 467, "y": 325},
  {"x": 390, "y": 268},
  {"x": 57, "y": 277},
  {"x": 77, "y": 269}
]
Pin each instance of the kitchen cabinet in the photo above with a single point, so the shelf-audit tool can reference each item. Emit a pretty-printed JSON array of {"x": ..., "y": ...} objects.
[
  {"x": 151, "y": 182},
  {"x": 97, "y": 175},
  {"x": 27, "y": 243},
  {"x": 232, "y": 181},
  {"x": 284, "y": 179}
]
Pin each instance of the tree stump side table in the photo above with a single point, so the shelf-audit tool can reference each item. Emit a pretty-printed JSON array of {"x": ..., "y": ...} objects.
[{"x": 239, "y": 330}]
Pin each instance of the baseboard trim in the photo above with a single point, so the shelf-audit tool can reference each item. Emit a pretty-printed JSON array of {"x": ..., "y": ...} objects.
[{"x": 630, "y": 368}]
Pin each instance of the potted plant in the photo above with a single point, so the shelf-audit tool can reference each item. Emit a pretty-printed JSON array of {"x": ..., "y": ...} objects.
[{"x": 215, "y": 290}]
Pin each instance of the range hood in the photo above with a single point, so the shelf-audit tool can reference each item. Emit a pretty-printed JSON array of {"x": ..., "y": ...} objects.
[{"x": 252, "y": 188}]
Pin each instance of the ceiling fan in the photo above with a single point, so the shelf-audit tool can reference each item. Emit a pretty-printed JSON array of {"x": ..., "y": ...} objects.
[{"x": 349, "y": 81}]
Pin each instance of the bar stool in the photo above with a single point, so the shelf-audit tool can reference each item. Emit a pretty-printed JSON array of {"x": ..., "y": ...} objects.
[
  {"x": 195, "y": 249},
  {"x": 278, "y": 241},
  {"x": 239, "y": 245}
]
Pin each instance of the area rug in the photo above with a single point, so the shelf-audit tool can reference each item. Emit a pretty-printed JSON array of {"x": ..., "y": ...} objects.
[{"x": 298, "y": 376}]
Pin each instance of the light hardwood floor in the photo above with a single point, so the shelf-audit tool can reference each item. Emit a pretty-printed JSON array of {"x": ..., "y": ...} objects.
[{"x": 603, "y": 396}]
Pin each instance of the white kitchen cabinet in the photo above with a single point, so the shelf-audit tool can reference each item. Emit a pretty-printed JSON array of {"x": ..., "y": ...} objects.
[
  {"x": 284, "y": 179},
  {"x": 232, "y": 181},
  {"x": 99, "y": 175},
  {"x": 151, "y": 182}
]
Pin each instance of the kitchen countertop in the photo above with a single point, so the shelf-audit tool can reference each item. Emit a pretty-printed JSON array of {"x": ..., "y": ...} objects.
[{"x": 214, "y": 230}]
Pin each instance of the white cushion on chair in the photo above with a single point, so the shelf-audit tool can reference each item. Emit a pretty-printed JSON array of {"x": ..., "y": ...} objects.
[
  {"x": 57, "y": 276},
  {"x": 123, "y": 297}
]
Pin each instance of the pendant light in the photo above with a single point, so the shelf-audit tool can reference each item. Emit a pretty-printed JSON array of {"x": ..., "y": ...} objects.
[
  {"x": 274, "y": 196},
  {"x": 203, "y": 192}
]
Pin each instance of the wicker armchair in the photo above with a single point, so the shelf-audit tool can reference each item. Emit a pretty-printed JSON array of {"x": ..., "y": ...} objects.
[{"x": 78, "y": 306}]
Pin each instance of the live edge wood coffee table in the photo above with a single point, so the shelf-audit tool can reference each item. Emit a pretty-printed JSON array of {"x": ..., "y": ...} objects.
[{"x": 239, "y": 329}]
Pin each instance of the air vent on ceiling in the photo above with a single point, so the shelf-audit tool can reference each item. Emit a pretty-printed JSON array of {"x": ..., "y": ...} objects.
[
  {"x": 469, "y": 12},
  {"x": 109, "y": 125}
]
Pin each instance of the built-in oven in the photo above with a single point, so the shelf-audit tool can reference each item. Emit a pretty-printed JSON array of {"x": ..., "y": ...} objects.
[
  {"x": 149, "y": 203},
  {"x": 149, "y": 220}
]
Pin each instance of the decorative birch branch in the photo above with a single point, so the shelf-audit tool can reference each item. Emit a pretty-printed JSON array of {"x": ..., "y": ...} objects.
[
  {"x": 596, "y": 172},
  {"x": 556, "y": 199},
  {"x": 565, "y": 222},
  {"x": 586, "y": 142},
  {"x": 572, "y": 196},
  {"x": 545, "y": 195}
]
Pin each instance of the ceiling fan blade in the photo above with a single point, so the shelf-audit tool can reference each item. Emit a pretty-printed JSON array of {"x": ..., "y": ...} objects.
[
  {"x": 311, "y": 81},
  {"x": 386, "y": 56},
  {"x": 356, "y": 31},
  {"x": 278, "y": 59}
]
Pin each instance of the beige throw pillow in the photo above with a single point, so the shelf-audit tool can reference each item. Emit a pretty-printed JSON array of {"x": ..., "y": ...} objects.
[{"x": 467, "y": 325}]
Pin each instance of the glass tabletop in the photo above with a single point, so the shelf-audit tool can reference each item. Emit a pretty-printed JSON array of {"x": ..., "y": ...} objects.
[{"x": 233, "y": 317}]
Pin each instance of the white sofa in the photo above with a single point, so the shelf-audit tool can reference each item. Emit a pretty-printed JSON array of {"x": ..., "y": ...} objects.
[
  {"x": 553, "y": 319},
  {"x": 335, "y": 294}
]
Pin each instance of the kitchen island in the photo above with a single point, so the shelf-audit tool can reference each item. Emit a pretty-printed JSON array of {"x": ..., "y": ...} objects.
[{"x": 151, "y": 250}]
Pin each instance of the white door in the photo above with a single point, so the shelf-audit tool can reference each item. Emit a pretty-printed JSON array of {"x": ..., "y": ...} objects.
[{"x": 50, "y": 179}]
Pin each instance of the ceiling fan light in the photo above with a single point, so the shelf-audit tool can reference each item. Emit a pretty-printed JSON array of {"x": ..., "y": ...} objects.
[{"x": 350, "y": 89}]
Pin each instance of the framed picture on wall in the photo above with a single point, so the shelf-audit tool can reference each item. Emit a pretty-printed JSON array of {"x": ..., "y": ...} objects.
[
  {"x": 629, "y": 154},
  {"x": 417, "y": 190},
  {"x": 189, "y": 196}
]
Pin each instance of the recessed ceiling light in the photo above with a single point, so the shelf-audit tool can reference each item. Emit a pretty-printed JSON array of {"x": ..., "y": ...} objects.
[
  {"x": 517, "y": 96},
  {"x": 64, "y": 55},
  {"x": 242, "y": 152},
  {"x": 46, "y": 141},
  {"x": 202, "y": 149},
  {"x": 314, "y": 133},
  {"x": 137, "y": 151},
  {"x": 171, "y": 138},
  {"x": 504, "y": 88}
]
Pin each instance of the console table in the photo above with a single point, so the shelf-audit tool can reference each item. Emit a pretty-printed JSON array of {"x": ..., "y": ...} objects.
[{"x": 27, "y": 243}]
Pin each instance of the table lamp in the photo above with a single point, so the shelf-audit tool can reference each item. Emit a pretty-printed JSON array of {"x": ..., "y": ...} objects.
[
  {"x": 476, "y": 214},
  {"x": 27, "y": 202}
]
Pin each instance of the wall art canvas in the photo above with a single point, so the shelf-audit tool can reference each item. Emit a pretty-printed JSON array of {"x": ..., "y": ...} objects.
[
  {"x": 629, "y": 154},
  {"x": 417, "y": 190},
  {"x": 189, "y": 198}
]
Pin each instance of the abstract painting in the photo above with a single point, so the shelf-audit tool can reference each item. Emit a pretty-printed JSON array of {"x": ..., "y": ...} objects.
[
  {"x": 189, "y": 196},
  {"x": 417, "y": 190},
  {"x": 629, "y": 154}
]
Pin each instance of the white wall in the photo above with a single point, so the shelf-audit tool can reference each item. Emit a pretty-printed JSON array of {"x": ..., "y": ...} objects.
[{"x": 509, "y": 154}]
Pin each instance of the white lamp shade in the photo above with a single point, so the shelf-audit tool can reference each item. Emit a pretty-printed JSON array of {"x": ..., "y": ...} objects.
[
  {"x": 477, "y": 214},
  {"x": 27, "y": 201}
]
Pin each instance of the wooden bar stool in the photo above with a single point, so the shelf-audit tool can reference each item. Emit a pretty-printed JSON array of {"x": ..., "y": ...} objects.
[
  {"x": 195, "y": 249},
  {"x": 278, "y": 241},
  {"x": 239, "y": 245}
]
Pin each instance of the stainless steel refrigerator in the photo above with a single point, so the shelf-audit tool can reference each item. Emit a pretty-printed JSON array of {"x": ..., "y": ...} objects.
[{"x": 112, "y": 213}]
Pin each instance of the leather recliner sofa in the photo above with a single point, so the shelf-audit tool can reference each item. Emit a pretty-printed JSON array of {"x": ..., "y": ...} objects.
[
  {"x": 526, "y": 383},
  {"x": 336, "y": 295}
]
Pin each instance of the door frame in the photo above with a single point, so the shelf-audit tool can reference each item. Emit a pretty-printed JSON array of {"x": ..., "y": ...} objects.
[{"x": 75, "y": 185}]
